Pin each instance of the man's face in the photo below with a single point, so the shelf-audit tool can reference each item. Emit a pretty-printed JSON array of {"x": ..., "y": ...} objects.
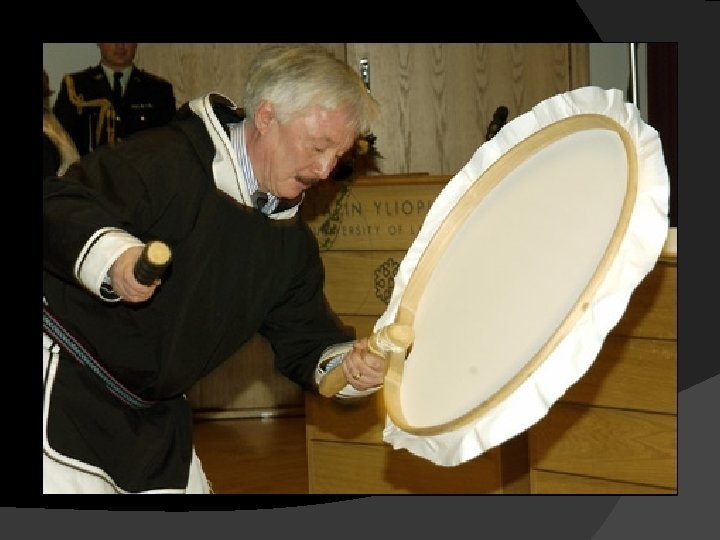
[
  {"x": 117, "y": 55},
  {"x": 302, "y": 151}
]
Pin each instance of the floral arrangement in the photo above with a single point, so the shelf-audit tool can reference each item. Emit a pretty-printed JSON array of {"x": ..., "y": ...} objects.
[{"x": 360, "y": 160}]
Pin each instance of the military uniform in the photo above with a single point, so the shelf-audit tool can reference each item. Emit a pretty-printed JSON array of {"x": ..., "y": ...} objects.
[{"x": 89, "y": 112}]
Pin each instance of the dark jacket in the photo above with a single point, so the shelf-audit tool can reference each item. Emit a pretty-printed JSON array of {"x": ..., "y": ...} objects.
[
  {"x": 86, "y": 108},
  {"x": 234, "y": 272}
]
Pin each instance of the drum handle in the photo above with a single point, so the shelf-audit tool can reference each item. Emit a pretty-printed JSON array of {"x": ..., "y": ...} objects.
[
  {"x": 389, "y": 342},
  {"x": 152, "y": 262}
]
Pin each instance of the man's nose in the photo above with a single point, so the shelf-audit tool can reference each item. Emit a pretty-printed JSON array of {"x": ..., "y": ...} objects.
[{"x": 324, "y": 165}]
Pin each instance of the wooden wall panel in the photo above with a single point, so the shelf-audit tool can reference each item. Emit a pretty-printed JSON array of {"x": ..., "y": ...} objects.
[
  {"x": 610, "y": 444},
  {"x": 360, "y": 468},
  {"x": 652, "y": 311},
  {"x": 636, "y": 374},
  {"x": 438, "y": 98},
  {"x": 198, "y": 68},
  {"x": 579, "y": 65},
  {"x": 328, "y": 419},
  {"x": 557, "y": 483}
]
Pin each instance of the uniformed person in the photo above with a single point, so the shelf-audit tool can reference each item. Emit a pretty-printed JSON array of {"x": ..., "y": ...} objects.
[{"x": 95, "y": 113}]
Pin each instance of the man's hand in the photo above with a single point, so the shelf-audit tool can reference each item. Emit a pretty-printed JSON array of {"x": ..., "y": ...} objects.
[
  {"x": 122, "y": 277},
  {"x": 362, "y": 368}
]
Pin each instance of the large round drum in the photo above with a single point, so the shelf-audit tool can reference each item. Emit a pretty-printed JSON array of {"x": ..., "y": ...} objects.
[{"x": 524, "y": 263}]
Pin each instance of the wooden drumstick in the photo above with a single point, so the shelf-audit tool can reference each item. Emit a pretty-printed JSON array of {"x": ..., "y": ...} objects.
[
  {"x": 391, "y": 340},
  {"x": 152, "y": 262}
]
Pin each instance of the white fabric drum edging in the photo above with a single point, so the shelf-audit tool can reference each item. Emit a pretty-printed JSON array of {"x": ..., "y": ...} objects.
[{"x": 638, "y": 252}]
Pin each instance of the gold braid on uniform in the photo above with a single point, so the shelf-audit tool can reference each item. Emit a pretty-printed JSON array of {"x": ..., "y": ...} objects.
[{"x": 107, "y": 111}]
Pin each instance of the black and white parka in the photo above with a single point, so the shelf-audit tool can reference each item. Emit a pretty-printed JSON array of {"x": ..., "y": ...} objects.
[{"x": 113, "y": 399}]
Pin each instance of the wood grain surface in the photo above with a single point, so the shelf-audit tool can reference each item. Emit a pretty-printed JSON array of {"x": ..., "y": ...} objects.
[{"x": 437, "y": 99}]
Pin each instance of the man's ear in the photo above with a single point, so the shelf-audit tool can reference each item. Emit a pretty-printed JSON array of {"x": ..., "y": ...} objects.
[{"x": 264, "y": 116}]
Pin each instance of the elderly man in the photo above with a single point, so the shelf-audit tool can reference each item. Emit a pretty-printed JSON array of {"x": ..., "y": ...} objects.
[{"x": 223, "y": 192}]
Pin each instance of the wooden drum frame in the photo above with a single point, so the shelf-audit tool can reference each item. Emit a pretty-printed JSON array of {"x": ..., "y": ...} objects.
[{"x": 524, "y": 263}]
